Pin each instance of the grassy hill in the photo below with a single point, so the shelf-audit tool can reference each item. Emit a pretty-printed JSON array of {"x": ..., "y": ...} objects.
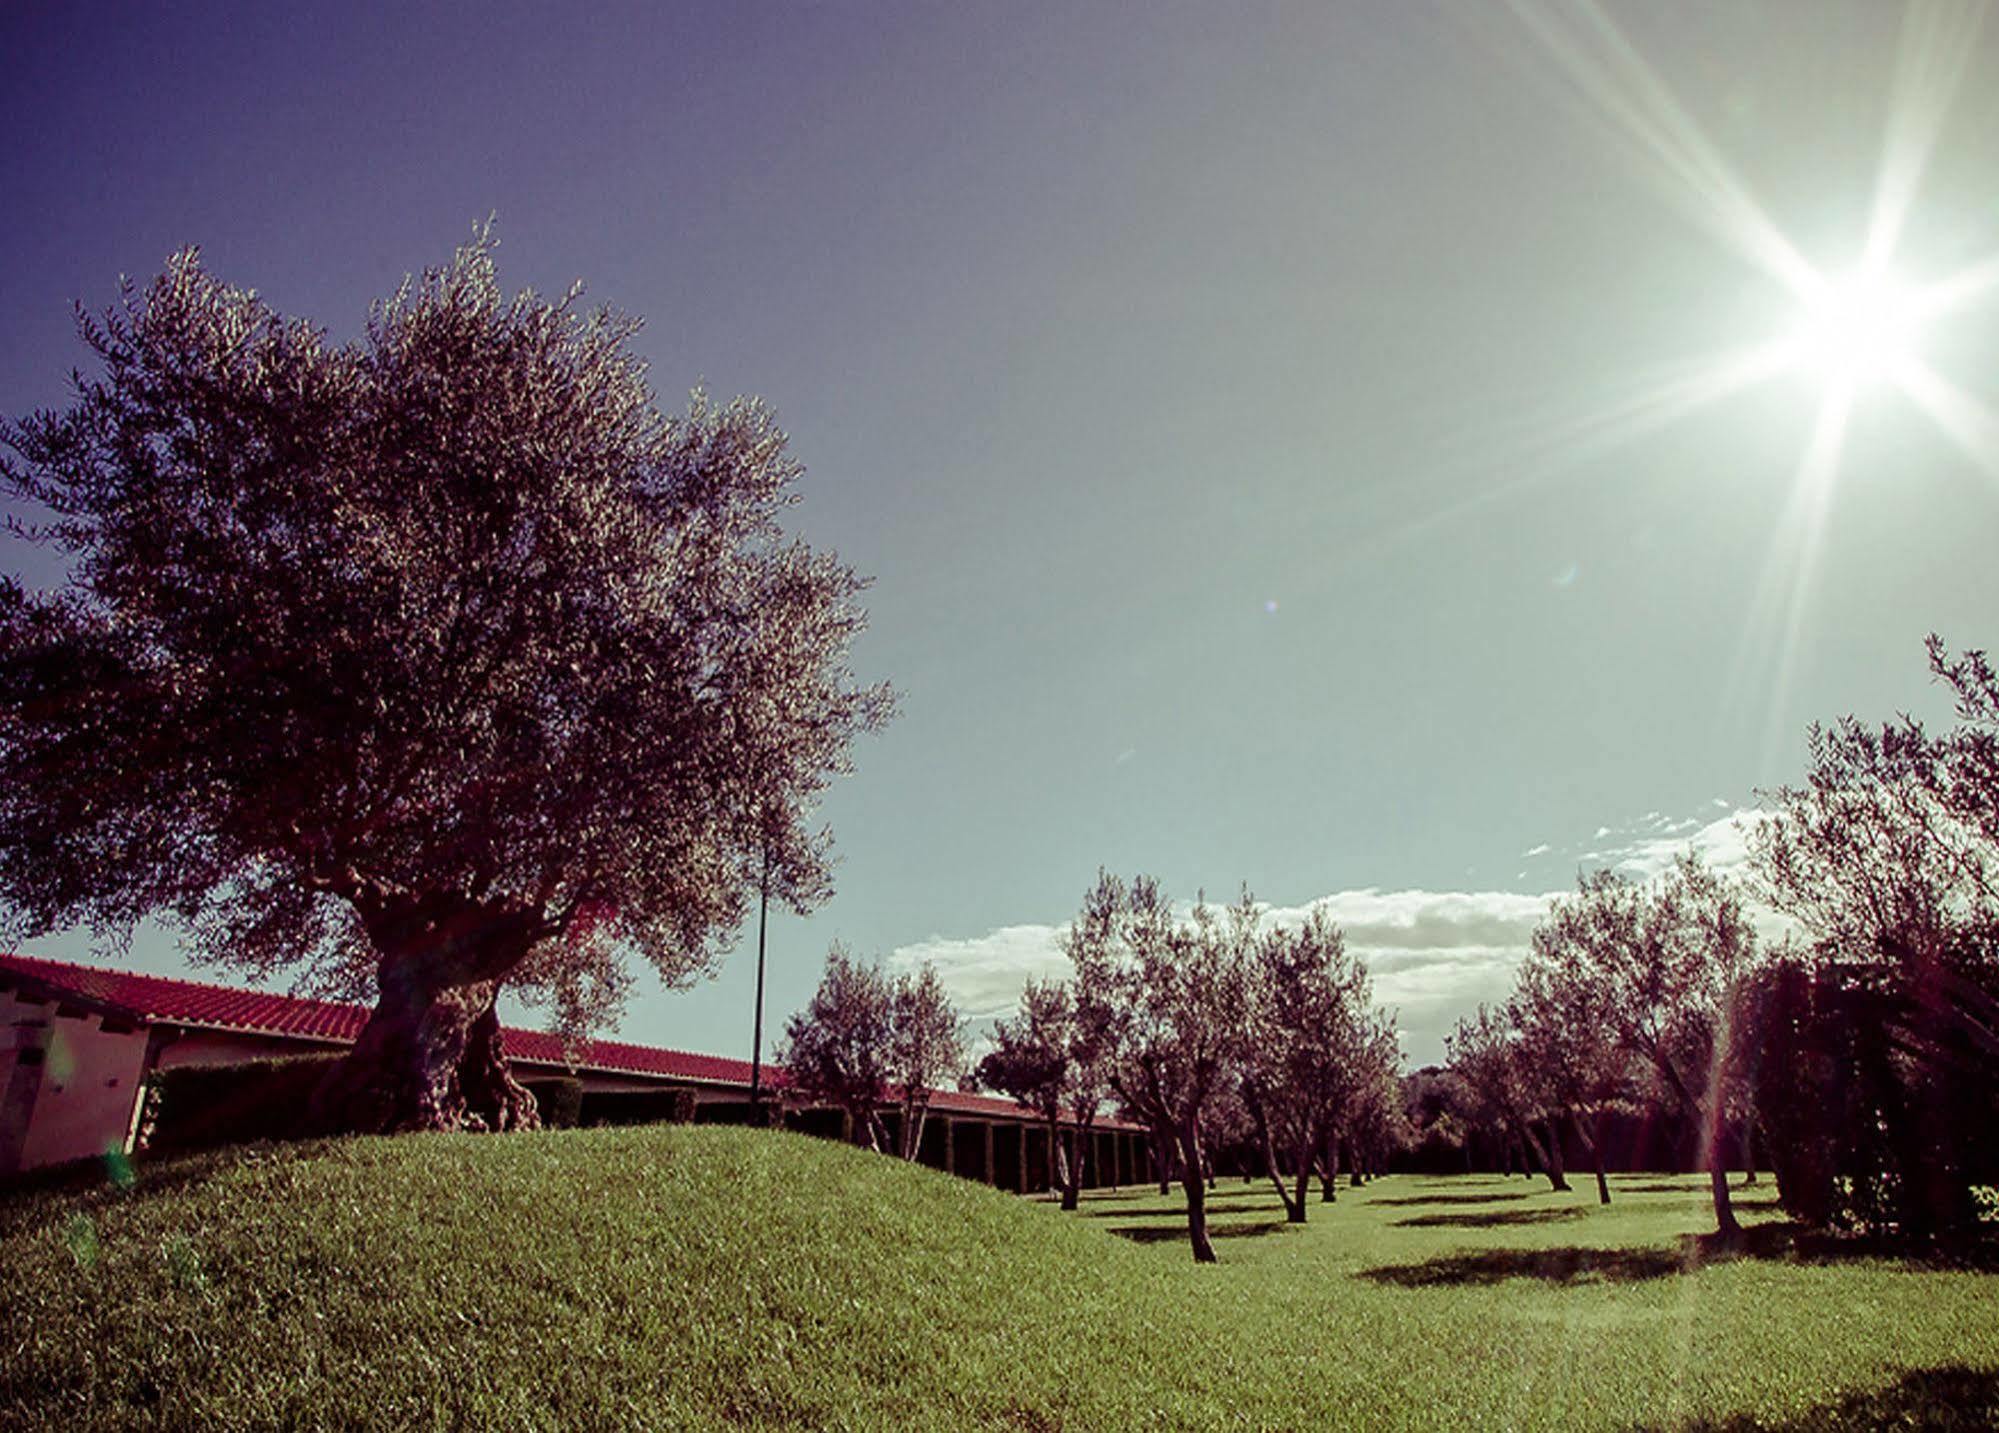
[{"x": 678, "y": 1277}]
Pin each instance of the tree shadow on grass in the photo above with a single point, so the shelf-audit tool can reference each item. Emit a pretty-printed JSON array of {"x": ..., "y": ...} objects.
[
  {"x": 1449, "y": 1199},
  {"x": 1552, "y": 1266},
  {"x": 1490, "y": 1219},
  {"x": 1949, "y": 1398},
  {"x": 1157, "y": 1234},
  {"x": 1786, "y": 1242},
  {"x": 1778, "y": 1240},
  {"x": 1259, "y": 1205}
]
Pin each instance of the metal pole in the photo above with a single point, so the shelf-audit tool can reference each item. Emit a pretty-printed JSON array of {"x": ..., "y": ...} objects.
[{"x": 757, "y": 1039}]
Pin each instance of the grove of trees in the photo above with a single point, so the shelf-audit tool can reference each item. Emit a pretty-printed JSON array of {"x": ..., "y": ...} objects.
[
  {"x": 436, "y": 663},
  {"x": 1206, "y": 1027},
  {"x": 1860, "y": 1056}
]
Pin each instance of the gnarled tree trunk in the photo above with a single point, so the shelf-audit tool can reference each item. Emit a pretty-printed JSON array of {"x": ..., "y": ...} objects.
[
  {"x": 430, "y": 1055},
  {"x": 429, "y": 1058}
]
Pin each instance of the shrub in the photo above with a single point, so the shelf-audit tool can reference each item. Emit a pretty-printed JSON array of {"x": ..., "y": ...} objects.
[{"x": 203, "y": 1106}]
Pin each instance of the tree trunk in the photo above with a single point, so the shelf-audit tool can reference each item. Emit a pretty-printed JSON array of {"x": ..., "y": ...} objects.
[
  {"x": 1591, "y": 1132},
  {"x": 1072, "y": 1183},
  {"x": 428, "y": 1058},
  {"x": 1353, "y": 1168},
  {"x": 1294, "y": 1212},
  {"x": 1304, "y": 1185},
  {"x": 1749, "y": 1149},
  {"x": 1162, "y": 1158},
  {"x": 1193, "y": 1178},
  {"x": 1724, "y": 1211},
  {"x": 1557, "y": 1179},
  {"x": 1329, "y": 1171}
]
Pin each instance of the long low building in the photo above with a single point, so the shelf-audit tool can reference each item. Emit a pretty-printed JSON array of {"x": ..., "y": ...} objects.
[{"x": 78, "y": 1044}]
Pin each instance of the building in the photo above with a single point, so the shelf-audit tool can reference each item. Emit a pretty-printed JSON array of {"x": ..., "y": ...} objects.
[{"x": 77, "y": 1044}]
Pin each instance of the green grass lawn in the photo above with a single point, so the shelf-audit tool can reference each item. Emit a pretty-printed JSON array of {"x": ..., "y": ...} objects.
[{"x": 672, "y": 1277}]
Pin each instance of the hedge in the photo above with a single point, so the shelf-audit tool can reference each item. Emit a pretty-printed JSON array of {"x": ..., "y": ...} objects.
[{"x": 203, "y": 1106}]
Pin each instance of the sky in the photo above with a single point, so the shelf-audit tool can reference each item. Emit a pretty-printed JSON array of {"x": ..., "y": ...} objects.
[{"x": 1385, "y": 453}]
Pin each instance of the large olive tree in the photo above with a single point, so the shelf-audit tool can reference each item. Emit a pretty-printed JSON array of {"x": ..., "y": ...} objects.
[{"x": 436, "y": 661}]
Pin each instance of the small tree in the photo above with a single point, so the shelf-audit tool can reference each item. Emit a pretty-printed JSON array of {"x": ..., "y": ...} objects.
[
  {"x": 1567, "y": 1035},
  {"x": 926, "y": 1048},
  {"x": 1180, "y": 996},
  {"x": 867, "y": 1041},
  {"x": 1307, "y": 1052},
  {"x": 1667, "y": 962},
  {"x": 838, "y": 1050},
  {"x": 1049, "y": 1058},
  {"x": 1485, "y": 1052},
  {"x": 438, "y": 662}
]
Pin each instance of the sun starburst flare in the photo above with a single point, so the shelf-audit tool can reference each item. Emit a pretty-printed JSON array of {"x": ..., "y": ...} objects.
[{"x": 1858, "y": 330}]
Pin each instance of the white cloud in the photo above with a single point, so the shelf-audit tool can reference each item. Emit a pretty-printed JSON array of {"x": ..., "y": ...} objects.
[
  {"x": 984, "y": 974},
  {"x": 1723, "y": 843},
  {"x": 1540, "y": 850}
]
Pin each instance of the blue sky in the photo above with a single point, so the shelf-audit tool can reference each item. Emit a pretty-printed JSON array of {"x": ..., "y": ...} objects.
[{"x": 1258, "y": 421}]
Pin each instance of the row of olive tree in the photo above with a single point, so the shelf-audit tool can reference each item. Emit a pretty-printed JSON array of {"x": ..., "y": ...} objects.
[{"x": 1203, "y": 1028}]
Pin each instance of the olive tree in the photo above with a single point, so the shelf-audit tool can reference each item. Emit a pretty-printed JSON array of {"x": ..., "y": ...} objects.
[
  {"x": 1668, "y": 960},
  {"x": 433, "y": 662},
  {"x": 1179, "y": 992},
  {"x": 1311, "y": 1051},
  {"x": 867, "y": 1041},
  {"x": 1049, "y": 1056},
  {"x": 1887, "y": 856},
  {"x": 839, "y": 1048},
  {"x": 926, "y": 1048}
]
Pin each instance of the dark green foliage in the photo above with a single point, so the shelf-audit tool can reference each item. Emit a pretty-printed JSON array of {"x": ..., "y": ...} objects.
[
  {"x": 1876, "y": 1113},
  {"x": 559, "y": 1101},
  {"x": 638, "y": 1107},
  {"x": 205, "y": 1106}
]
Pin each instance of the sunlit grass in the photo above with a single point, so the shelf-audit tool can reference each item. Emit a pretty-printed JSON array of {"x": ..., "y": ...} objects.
[{"x": 687, "y": 1277}]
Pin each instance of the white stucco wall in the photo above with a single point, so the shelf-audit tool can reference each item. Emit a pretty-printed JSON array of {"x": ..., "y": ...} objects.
[{"x": 90, "y": 1082}]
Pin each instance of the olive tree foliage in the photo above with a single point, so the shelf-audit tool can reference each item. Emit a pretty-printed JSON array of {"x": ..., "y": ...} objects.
[
  {"x": 1050, "y": 1057},
  {"x": 1486, "y": 1052},
  {"x": 1314, "y": 1052},
  {"x": 428, "y": 663},
  {"x": 839, "y": 1049},
  {"x": 1666, "y": 961},
  {"x": 1563, "y": 1017},
  {"x": 868, "y": 1041},
  {"x": 1179, "y": 993}
]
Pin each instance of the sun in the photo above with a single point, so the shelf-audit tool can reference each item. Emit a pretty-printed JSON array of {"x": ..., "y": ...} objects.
[{"x": 1859, "y": 328}]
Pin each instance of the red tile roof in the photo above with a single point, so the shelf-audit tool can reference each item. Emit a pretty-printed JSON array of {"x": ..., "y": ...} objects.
[{"x": 157, "y": 999}]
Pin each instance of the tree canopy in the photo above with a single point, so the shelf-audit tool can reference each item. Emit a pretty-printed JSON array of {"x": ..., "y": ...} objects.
[{"x": 429, "y": 662}]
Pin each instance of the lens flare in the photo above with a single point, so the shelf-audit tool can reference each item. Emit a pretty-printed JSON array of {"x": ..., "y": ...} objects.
[{"x": 1859, "y": 328}]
